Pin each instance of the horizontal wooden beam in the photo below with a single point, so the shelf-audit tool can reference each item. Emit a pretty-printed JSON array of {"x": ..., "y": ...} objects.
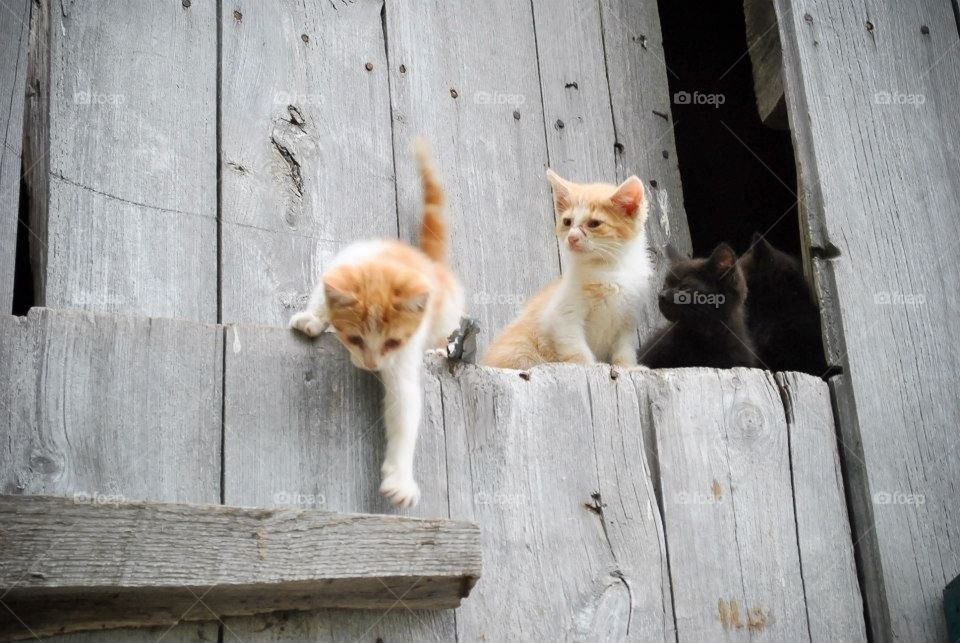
[{"x": 75, "y": 564}]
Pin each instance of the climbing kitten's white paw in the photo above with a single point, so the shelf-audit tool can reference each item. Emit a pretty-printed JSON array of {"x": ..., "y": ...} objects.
[
  {"x": 308, "y": 324},
  {"x": 400, "y": 489}
]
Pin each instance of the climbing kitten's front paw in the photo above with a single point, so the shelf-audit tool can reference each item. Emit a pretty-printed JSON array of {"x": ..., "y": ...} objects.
[
  {"x": 400, "y": 489},
  {"x": 308, "y": 324}
]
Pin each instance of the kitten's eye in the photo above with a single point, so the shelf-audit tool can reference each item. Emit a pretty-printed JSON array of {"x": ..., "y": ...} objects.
[
  {"x": 391, "y": 344},
  {"x": 567, "y": 221},
  {"x": 355, "y": 340},
  {"x": 594, "y": 223}
]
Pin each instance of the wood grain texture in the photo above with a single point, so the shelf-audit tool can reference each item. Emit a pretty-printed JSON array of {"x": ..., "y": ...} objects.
[
  {"x": 14, "y": 45},
  {"x": 464, "y": 74},
  {"x": 307, "y": 149},
  {"x": 75, "y": 566},
  {"x": 103, "y": 407},
  {"x": 834, "y": 604},
  {"x": 645, "y": 145},
  {"x": 728, "y": 506},
  {"x": 881, "y": 177},
  {"x": 552, "y": 467},
  {"x": 766, "y": 60},
  {"x": 127, "y": 198},
  {"x": 303, "y": 428}
]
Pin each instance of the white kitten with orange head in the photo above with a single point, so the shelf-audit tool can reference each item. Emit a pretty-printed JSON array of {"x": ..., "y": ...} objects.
[
  {"x": 590, "y": 313},
  {"x": 388, "y": 303}
]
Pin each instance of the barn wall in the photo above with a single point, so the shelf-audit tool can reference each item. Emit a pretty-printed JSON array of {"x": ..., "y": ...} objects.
[
  {"x": 872, "y": 96},
  {"x": 646, "y": 505}
]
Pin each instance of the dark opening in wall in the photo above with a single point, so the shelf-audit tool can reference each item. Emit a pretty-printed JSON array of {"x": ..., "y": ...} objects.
[
  {"x": 739, "y": 176},
  {"x": 23, "y": 295}
]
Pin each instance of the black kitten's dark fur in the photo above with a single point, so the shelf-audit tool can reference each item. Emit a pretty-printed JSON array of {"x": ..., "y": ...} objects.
[
  {"x": 704, "y": 301},
  {"x": 781, "y": 313}
]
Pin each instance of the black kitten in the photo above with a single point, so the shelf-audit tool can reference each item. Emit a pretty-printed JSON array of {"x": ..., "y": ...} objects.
[
  {"x": 781, "y": 313},
  {"x": 704, "y": 301}
]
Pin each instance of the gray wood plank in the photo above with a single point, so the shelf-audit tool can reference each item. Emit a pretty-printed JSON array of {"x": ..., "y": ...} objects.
[
  {"x": 878, "y": 163},
  {"x": 552, "y": 466},
  {"x": 307, "y": 149},
  {"x": 303, "y": 428},
  {"x": 125, "y": 197},
  {"x": 830, "y": 586},
  {"x": 728, "y": 506},
  {"x": 79, "y": 566},
  {"x": 96, "y": 407},
  {"x": 14, "y": 42},
  {"x": 639, "y": 93},
  {"x": 766, "y": 60},
  {"x": 464, "y": 74}
]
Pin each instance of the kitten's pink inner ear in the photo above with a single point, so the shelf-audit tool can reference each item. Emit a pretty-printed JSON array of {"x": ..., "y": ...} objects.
[
  {"x": 629, "y": 196},
  {"x": 561, "y": 191},
  {"x": 724, "y": 259}
]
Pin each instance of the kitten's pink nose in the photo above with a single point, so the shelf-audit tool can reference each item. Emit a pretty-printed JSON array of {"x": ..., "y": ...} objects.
[
  {"x": 575, "y": 239},
  {"x": 371, "y": 362}
]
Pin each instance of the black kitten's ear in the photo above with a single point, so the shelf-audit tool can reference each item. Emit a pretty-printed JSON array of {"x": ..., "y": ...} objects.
[
  {"x": 723, "y": 259},
  {"x": 672, "y": 254},
  {"x": 759, "y": 246}
]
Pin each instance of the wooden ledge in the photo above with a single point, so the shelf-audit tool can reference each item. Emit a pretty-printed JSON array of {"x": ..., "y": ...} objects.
[{"x": 69, "y": 565}]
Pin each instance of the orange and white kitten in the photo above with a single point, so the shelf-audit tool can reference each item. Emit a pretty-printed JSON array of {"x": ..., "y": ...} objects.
[
  {"x": 388, "y": 303},
  {"x": 590, "y": 313}
]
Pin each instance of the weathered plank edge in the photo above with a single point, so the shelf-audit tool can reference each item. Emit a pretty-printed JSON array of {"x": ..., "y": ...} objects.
[{"x": 240, "y": 561}]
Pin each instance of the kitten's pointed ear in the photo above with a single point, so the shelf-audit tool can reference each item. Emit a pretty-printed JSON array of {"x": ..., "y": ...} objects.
[
  {"x": 630, "y": 196},
  {"x": 337, "y": 288},
  {"x": 561, "y": 191},
  {"x": 759, "y": 246},
  {"x": 672, "y": 253},
  {"x": 417, "y": 303},
  {"x": 723, "y": 259}
]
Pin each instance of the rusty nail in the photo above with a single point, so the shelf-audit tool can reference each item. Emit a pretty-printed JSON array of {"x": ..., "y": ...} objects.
[
  {"x": 403, "y": 69},
  {"x": 559, "y": 124},
  {"x": 925, "y": 30},
  {"x": 453, "y": 93},
  {"x": 653, "y": 183},
  {"x": 186, "y": 4},
  {"x": 516, "y": 114},
  {"x": 808, "y": 18},
  {"x": 368, "y": 66},
  {"x": 869, "y": 26},
  {"x": 237, "y": 15},
  {"x": 304, "y": 37}
]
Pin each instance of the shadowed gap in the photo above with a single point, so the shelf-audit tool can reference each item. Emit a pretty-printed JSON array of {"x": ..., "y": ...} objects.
[{"x": 739, "y": 176}]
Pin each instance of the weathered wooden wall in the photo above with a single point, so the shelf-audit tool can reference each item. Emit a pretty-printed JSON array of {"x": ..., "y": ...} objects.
[
  {"x": 14, "y": 44},
  {"x": 123, "y": 130},
  {"x": 872, "y": 94},
  {"x": 319, "y": 103},
  {"x": 691, "y": 504}
]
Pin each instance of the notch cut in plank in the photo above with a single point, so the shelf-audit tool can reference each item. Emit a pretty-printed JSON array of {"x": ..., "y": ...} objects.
[
  {"x": 14, "y": 41},
  {"x": 766, "y": 59},
  {"x": 122, "y": 149},
  {"x": 307, "y": 149},
  {"x": 67, "y": 566},
  {"x": 834, "y": 603}
]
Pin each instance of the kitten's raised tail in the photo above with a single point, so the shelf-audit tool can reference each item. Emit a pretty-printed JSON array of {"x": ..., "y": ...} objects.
[{"x": 433, "y": 227}]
